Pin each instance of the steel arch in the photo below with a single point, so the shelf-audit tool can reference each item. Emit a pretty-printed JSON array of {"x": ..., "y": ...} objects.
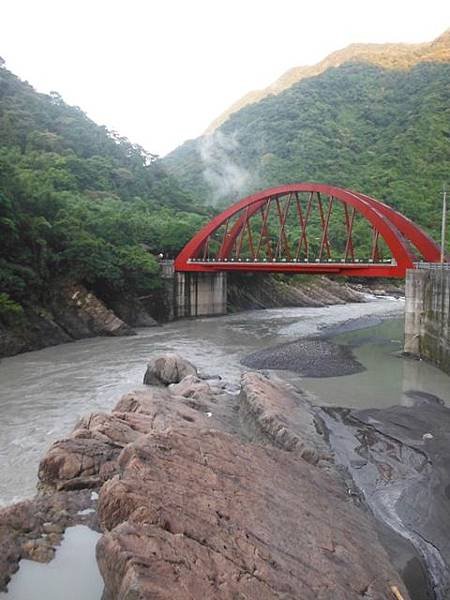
[{"x": 399, "y": 233}]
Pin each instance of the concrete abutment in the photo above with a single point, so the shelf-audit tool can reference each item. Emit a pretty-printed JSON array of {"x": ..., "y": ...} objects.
[{"x": 427, "y": 314}]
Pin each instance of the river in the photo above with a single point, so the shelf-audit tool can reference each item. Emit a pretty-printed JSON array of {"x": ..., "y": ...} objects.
[{"x": 43, "y": 393}]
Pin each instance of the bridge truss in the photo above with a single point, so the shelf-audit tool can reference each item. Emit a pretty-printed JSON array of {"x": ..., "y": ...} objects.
[{"x": 309, "y": 228}]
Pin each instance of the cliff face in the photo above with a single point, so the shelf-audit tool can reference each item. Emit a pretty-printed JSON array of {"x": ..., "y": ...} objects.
[
  {"x": 253, "y": 291},
  {"x": 72, "y": 313}
]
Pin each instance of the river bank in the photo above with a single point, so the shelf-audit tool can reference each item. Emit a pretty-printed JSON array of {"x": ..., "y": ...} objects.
[
  {"x": 72, "y": 312},
  {"x": 44, "y": 392}
]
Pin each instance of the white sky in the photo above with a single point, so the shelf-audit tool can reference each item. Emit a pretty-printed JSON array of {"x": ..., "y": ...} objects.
[{"x": 159, "y": 71}]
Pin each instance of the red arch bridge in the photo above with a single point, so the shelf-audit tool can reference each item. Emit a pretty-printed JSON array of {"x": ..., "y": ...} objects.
[
  {"x": 304, "y": 228},
  {"x": 309, "y": 228}
]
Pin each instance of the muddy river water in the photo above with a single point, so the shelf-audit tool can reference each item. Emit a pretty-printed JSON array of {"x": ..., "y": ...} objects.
[{"x": 43, "y": 393}]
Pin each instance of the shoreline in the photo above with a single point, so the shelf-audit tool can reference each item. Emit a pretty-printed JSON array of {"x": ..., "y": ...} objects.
[
  {"x": 317, "y": 355},
  {"x": 90, "y": 374},
  {"x": 76, "y": 313}
]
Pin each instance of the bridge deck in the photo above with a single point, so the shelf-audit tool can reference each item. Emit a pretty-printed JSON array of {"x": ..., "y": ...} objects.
[{"x": 362, "y": 268}]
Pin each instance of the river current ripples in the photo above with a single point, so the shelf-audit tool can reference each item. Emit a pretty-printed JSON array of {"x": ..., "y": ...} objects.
[{"x": 43, "y": 393}]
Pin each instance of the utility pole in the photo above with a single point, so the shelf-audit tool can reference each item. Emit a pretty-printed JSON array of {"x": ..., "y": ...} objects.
[{"x": 444, "y": 221}]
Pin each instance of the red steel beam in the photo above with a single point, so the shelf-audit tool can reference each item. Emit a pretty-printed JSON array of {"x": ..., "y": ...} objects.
[
  {"x": 428, "y": 248},
  {"x": 349, "y": 225},
  {"x": 263, "y": 234},
  {"x": 282, "y": 216},
  {"x": 324, "y": 241},
  {"x": 347, "y": 269},
  {"x": 304, "y": 224}
]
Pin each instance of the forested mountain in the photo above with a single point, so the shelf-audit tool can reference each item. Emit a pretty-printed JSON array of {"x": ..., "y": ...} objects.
[
  {"x": 79, "y": 203},
  {"x": 389, "y": 56},
  {"x": 379, "y": 130}
]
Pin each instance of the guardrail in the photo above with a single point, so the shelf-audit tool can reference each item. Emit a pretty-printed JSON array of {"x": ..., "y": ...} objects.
[
  {"x": 433, "y": 266},
  {"x": 292, "y": 261}
]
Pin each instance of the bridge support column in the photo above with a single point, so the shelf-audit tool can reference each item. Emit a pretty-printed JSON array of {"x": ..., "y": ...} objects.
[{"x": 200, "y": 294}]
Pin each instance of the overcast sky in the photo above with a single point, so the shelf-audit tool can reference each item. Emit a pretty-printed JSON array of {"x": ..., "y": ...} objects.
[{"x": 160, "y": 71}]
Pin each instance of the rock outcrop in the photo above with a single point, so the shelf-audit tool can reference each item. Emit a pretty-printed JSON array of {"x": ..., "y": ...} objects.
[
  {"x": 276, "y": 413},
  {"x": 193, "y": 505},
  {"x": 81, "y": 314},
  {"x": 198, "y": 514},
  {"x": 254, "y": 291},
  {"x": 89, "y": 456},
  {"x": 73, "y": 313},
  {"x": 132, "y": 311}
]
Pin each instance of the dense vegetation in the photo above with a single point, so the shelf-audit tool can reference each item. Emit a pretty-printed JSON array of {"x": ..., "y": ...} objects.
[
  {"x": 383, "y": 132},
  {"x": 79, "y": 203}
]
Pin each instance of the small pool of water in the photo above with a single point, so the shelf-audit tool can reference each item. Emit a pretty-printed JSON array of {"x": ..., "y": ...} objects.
[{"x": 72, "y": 575}]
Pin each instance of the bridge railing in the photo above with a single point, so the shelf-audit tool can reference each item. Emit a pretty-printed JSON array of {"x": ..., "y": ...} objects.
[
  {"x": 293, "y": 260},
  {"x": 432, "y": 266}
]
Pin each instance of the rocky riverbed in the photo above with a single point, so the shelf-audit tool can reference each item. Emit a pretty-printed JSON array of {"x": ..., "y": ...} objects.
[
  {"x": 310, "y": 357},
  {"x": 206, "y": 491}
]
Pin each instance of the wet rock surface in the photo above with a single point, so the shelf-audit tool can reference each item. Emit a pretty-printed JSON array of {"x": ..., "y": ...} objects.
[
  {"x": 199, "y": 514},
  {"x": 310, "y": 357},
  {"x": 398, "y": 459},
  {"x": 34, "y": 528},
  {"x": 168, "y": 368}
]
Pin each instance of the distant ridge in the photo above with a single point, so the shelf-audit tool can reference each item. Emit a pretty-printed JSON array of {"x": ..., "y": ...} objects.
[{"x": 389, "y": 56}]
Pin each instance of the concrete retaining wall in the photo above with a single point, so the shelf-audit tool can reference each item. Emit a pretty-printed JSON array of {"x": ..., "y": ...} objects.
[{"x": 427, "y": 315}]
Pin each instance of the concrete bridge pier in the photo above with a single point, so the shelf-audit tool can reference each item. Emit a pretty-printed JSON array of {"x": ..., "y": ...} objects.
[
  {"x": 194, "y": 294},
  {"x": 200, "y": 294}
]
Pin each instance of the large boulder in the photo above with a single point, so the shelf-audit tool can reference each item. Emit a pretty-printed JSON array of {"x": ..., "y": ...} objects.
[
  {"x": 164, "y": 369},
  {"x": 198, "y": 514}
]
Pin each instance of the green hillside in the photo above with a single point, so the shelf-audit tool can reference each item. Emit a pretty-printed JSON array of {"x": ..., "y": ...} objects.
[
  {"x": 79, "y": 203},
  {"x": 381, "y": 131}
]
